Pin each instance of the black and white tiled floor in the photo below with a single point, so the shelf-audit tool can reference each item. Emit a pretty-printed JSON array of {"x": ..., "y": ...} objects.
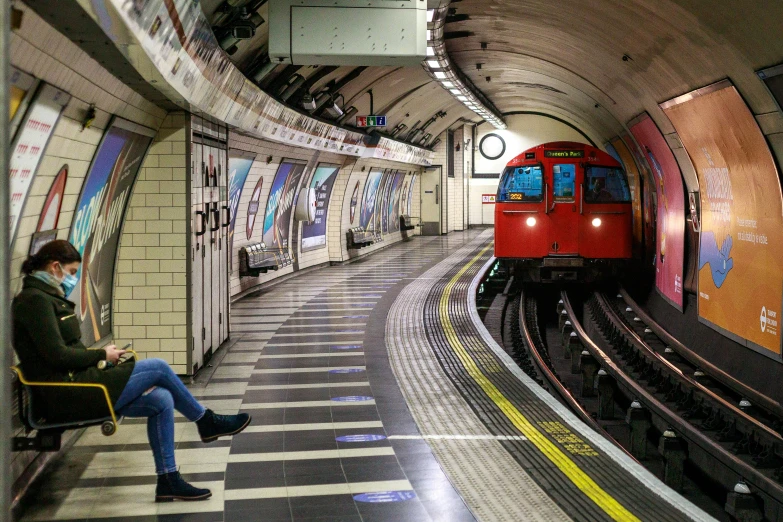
[{"x": 331, "y": 438}]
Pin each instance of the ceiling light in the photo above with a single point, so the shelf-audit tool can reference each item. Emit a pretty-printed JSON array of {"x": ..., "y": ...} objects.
[
  {"x": 433, "y": 64},
  {"x": 430, "y": 14},
  {"x": 430, "y": 51},
  {"x": 440, "y": 75},
  {"x": 455, "y": 91},
  {"x": 429, "y": 35},
  {"x": 447, "y": 84},
  {"x": 462, "y": 98}
]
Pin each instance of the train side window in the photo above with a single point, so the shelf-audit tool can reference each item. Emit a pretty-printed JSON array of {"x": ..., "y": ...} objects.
[
  {"x": 563, "y": 182},
  {"x": 606, "y": 185},
  {"x": 522, "y": 184}
]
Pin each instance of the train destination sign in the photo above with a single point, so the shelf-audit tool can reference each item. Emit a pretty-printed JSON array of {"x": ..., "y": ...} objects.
[
  {"x": 370, "y": 121},
  {"x": 564, "y": 154}
]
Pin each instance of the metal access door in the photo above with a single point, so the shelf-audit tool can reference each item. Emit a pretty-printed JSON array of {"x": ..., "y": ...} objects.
[
  {"x": 563, "y": 206},
  {"x": 199, "y": 229},
  {"x": 431, "y": 200}
]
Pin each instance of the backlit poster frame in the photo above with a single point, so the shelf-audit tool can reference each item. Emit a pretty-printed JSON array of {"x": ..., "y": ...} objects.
[
  {"x": 279, "y": 206},
  {"x": 410, "y": 195},
  {"x": 22, "y": 88},
  {"x": 740, "y": 265},
  {"x": 50, "y": 214},
  {"x": 670, "y": 220},
  {"x": 29, "y": 145},
  {"x": 382, "y": 218},
  {"x": 253, "y": 207},
  {"x": 368, "y": 210},
  {"x": 394, "y": 202},
  {"x": 239, "y": 164},
  {"x": 314, "y": 234},
  {"x": 98, "y": 220},
  {"x": 354, "y": 202}
]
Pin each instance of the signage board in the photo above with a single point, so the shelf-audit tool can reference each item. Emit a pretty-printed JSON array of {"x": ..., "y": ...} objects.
[
  {"x": 370, "y": 121},
  {"x": 488, "y": 199},
  {"x": 564, "y": 154}
]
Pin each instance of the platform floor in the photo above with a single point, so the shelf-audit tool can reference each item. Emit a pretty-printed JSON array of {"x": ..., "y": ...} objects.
[{"x": 376, "y": 394}]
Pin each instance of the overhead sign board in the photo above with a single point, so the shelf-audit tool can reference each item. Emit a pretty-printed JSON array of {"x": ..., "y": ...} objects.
[{"x": 370, "y": 121}]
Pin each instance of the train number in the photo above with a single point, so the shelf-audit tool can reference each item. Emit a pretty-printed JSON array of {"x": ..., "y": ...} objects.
[{"x": 515, "y": 196}]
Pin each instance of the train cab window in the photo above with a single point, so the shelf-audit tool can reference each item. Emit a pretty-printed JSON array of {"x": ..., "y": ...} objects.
[
  {"x": 563, "y": 177},
  {"x": 606, "y": 185},
  {"x": 522, "y": 184}
]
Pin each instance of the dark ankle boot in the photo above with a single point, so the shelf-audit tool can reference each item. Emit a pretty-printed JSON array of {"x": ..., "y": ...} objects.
[
  {"x": 172, "y": 487},
  {"x": 211, "y": 425}
]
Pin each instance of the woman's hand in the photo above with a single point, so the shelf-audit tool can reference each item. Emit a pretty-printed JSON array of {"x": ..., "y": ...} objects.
[{"x": 113, "y": 354}]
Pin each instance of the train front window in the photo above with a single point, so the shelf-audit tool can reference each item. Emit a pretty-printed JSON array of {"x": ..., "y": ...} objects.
[
  {"x": 563, "y": 177},
  {"x": 606, "y": 185},
  {"x": 522, "y": 184}
]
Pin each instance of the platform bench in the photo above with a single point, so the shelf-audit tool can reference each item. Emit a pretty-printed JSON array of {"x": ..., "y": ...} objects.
[
  {"x": 257, "y": 259},
  {"x": 358, "y": 237}
]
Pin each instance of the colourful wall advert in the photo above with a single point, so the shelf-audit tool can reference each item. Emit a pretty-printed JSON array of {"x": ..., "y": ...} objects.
[{"x": 741, "y": 246}]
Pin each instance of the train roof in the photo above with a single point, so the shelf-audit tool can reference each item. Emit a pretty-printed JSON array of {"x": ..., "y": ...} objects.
[{"x": 564, "y": 150}]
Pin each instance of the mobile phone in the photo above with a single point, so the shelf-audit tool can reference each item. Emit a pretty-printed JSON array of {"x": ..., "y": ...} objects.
[{"x": 127, "y": 346}]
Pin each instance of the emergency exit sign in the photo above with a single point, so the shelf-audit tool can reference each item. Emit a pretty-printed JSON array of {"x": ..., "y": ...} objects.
[{"x": 371, "y": 121}]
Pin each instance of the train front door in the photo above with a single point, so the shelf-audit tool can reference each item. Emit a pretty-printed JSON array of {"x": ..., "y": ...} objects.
[
  {"x": 563, "y": 202},
  {"x": 431, "y": 199}
]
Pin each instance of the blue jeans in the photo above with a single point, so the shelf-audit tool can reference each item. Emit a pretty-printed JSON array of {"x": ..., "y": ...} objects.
[{"x": 158, "y": 407}]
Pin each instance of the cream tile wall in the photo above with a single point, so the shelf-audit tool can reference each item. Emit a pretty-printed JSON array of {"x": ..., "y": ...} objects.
[
  {"x": 38, "y": 49},
  {"x": 150, "y": 286}
]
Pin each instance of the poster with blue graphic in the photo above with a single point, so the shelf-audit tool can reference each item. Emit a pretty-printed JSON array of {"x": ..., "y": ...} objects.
[
  {"x": 277, "y": 220},
  {"x": 410, "y": 195},
  {"x": 367, "y": 214},
  {"x": 96, "y": 227},
  {"x": 239, "y": 163},
  {"x": 314, "y": 234},
  {"x": 394, "y": 202},
  {"x": 383, "y": 202}
]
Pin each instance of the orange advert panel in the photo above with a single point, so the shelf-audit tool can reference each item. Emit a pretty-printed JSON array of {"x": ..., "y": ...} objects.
[{"x": 741, "y": 246}]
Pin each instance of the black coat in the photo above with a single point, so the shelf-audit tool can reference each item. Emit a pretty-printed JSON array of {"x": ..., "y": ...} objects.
[{"x": 47, "y": 339}]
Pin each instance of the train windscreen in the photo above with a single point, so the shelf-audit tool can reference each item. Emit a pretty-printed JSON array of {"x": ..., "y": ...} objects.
[
  {"x": 522, "y": 184},
  {"x": 606, "y": 185}
]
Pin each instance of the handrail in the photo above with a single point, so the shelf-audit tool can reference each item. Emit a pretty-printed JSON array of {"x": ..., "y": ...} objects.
[
  {"x": 682, "y": 377},
  {"x": 25, "y": 382},
  {"x": 692, "y": 357}
]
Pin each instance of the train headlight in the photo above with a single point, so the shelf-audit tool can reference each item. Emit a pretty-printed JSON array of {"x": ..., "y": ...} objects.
[
  {"x": 531, "y": 221},
  {"x": 597, "y": 222}
]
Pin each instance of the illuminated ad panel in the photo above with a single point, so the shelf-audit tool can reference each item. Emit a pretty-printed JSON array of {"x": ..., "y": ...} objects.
[
  {"x": 98, "y": 221},
  {"x": 367, "y": 214},
  {"x": 620, "y": 152},
  {"x": 383, "y": 214},
  {"x": 239, "y": 163},
  {"x": 354, "y": 202},
  {"x": 277, "y": 220},
  {"x": 314, "y": 234},
  {"x": 410, "y": 194},
  {"x": 394, "y": 202},
  {"x": 741, "y": 245},
  {"x": 670, "y": 230}
]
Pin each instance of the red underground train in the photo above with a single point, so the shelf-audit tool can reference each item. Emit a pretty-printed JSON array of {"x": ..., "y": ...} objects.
[{"x": 563, "y": 213}]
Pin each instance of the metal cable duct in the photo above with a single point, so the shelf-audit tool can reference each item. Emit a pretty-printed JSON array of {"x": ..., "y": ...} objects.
[{"x": 445, "y": 72}]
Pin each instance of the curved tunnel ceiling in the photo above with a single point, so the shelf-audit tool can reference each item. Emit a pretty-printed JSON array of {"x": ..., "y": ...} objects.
[{"x": 595, "y": 65}]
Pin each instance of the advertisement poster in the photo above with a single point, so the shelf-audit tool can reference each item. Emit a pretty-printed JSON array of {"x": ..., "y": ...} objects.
[
  {"x": 394, "y": 202},
  {"x": 50, "y": 214},
  {"x": 239, "y": 163},
  {"x": 314, "y": 234},
  {"x": 383, "y": 202},
  {"x": 19, "y": 86},
  {"x": 741, "y": 244},
  {"x": 367, "y": 213},
  {"x": 354, "y": 201},
  {"x": 670, "y": 230},
  {"x": 277, "y": 220},
  {"x": 96, "y": 224},
  {"x": 621, "y": 153},
  {"x": 403, "y": 198},
  {"x": 29, "y": 146},
  {"x": 252, "y": 208},
  {"x": 410, "y": 195}
]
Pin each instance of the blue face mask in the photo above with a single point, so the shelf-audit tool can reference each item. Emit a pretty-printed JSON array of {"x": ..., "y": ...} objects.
[{"x": 69, "y": 283}]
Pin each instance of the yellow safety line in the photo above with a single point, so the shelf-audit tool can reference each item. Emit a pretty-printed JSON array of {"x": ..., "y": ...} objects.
[{"x": 569, "y": 468}]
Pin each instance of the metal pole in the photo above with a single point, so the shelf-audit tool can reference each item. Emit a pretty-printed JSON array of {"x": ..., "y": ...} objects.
[{"x": 5, "y": 290}]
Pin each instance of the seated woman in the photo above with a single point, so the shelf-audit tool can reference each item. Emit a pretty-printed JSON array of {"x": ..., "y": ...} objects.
[{"x": 47, "y": 339}]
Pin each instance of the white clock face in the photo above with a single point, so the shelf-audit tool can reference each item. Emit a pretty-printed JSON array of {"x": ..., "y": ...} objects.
[{"x": 492, "y": 146}]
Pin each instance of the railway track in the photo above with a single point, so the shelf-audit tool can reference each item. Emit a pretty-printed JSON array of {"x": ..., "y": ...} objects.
[{"x": 702, "y": 431}]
